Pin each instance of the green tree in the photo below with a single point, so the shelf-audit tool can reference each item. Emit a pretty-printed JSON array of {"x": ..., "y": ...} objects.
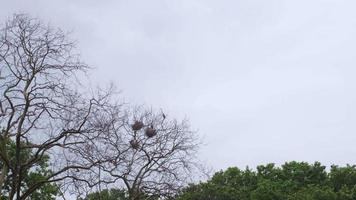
[
  {"x": 31, "y": 176},
  {"x": 115, "y": 194},
  {"x": 291, "y": 181},
  {"x": 342, "y": 176},
  {"x": 268, "y": 190},
  {"x": 112, "y": 194}
]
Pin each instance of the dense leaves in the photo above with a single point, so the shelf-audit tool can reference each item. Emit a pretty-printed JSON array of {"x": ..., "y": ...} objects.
[
  {"x": 32, "y": 176},
  {"x": 115, "y": 194},
  {"x": 291, "y": 181},
  {"x": 112, "y": 194}
]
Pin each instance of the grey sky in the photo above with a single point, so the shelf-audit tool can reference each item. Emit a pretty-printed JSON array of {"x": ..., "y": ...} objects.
[{"x": 263, "y": 81}]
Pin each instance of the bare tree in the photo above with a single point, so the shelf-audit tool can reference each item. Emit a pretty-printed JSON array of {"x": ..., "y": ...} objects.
[
  {"x": 149, "y": 154},
  {"x": 41, "y": 111}
]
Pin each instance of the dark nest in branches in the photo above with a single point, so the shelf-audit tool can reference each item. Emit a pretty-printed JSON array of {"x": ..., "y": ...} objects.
[
  {"x": 150, "y": 132},
  {"x": 138, "y": 125},
  {"x": 135, "y": 144}
]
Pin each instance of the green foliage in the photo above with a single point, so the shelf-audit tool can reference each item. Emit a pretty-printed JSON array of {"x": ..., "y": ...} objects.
[
  {"x": 112, "y": 194},
  {"x": 343, "y": 176},
  {"x": 37, "y": 173},
  {"x": 291, "y": 181}
]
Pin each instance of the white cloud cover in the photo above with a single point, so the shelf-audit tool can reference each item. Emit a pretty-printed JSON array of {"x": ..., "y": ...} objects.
[{"x": 263, "y": 81}]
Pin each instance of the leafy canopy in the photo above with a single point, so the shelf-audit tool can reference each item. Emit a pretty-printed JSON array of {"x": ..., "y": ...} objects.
[{"x": 291, "y": 181}]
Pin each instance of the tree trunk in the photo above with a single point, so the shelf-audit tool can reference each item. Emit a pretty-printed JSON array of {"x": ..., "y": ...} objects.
[
  {"x": 2, "y": 177},
  {"x": 134, "y": 195},
  {"x": 4, "y": 169}
]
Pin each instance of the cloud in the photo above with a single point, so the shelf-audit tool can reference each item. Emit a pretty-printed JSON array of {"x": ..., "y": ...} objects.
[{"x": 264, "y": 81}]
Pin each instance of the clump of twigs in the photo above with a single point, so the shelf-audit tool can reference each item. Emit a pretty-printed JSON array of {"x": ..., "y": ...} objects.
[{"x": 138, "y": 125}]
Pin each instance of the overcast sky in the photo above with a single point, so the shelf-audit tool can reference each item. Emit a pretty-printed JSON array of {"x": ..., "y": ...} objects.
[{"x": 262, "y": 81}]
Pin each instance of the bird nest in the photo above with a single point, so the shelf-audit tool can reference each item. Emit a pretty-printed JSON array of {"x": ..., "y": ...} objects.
[
  {"x": 138, "y": 125},
  {"x": 135, "y": 144},
  {"x": 150, "y": 132}
]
